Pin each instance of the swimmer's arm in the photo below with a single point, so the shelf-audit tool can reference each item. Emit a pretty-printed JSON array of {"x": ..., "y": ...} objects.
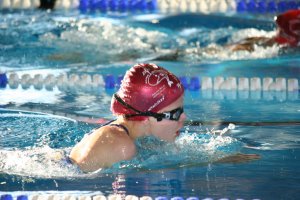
[{"x": 102, "y": 149}]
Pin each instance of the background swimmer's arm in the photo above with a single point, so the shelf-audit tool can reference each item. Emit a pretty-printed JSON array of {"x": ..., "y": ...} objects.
[
  {"x": 102, "y": 149},
  {"x": 248, "y": 43}
]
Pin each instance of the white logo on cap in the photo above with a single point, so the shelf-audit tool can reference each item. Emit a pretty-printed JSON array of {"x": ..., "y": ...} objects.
[{"x": 156, "y": 77}]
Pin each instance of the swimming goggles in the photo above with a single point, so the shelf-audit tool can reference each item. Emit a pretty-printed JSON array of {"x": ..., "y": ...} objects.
[{"x": 171, "y": 115}]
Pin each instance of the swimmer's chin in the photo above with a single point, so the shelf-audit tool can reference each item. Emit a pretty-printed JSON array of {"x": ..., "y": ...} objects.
[{"x": 175, "y": 136}]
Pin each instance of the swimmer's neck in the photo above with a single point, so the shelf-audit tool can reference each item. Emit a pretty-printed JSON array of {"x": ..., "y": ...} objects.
[{"x": 136, "y": 128}]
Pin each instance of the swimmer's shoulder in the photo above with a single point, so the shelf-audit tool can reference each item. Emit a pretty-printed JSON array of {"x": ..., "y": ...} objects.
[
  {"x": 117, "y": 141},
  {"x": 111, "y": 139},
  {"x": 102, "y": 148}
]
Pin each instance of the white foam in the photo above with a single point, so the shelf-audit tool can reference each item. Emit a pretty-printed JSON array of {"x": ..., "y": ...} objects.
[
  {"x": 94, "y": 38},
  {"x": 45, "y": 161},
  {"x": 206, "y": 144}
]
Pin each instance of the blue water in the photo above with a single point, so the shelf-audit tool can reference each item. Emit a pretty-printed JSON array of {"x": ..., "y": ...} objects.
[{"x": 38, "y": 125}]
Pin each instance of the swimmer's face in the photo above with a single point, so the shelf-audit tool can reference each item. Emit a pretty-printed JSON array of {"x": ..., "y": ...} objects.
[{"x": 166, "y": 129}]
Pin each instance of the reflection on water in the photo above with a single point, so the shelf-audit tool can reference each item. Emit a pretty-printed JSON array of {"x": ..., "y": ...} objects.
[{"x": 30, "y": 94}]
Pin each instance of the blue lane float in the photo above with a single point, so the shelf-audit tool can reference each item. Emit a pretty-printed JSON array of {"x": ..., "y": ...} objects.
[
  {"x": 3, "y": 80},
  {"x": 6, "y": 197},
  {"x": 121, "y": 6},
  {"x": 260, "y": 6},
  {"x": 272, "y": 6},
  {"x": 184, "y": 81},
  {"x": 195, "y": 83},
  {"x": 22, "y": 197},
  {"x": 109, "y": 82}
]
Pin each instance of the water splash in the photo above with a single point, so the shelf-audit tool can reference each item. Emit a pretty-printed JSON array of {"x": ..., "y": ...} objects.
[
  {"x": 211, "y": 44},
  {"x": 33, "y": 140},
  {"x": 112, "y": 41},
  {"x": 46, "y": 162},
  {"x": 223, "y": 131},
  {"x": 190, "y": 148},
  {"x": 116, "y": 42},
  {"x": 89, "y": 41}
]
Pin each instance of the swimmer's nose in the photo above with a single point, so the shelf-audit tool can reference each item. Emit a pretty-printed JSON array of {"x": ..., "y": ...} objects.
[
  {"x": 181, "y": 120},
  {"x": 182, "y": 117}
]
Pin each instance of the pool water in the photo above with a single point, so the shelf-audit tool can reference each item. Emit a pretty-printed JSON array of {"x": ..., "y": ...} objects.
[{"x": 39, "y": 124}]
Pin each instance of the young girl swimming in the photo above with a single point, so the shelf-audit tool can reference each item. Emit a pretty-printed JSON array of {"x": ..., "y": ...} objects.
[{"x": 149, "y": 102}]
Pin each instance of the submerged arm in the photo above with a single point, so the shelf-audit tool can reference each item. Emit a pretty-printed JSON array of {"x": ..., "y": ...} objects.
[{"x": 239, "y": 158}]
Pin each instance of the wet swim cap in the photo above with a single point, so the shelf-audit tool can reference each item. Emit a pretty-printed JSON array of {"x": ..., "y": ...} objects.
[
  {"x": 146, "y": 87},
  {"x": 289, "y": 28}
]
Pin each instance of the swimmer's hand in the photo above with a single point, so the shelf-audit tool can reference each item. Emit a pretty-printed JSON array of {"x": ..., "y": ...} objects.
[
  {"x": 239, "y": 158},
  {"x": 223, "y": 131},
  {"x": 56, "y": 156}
]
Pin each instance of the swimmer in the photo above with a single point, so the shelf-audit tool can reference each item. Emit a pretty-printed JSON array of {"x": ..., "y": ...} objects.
[
  {"x": 149, "y": 102},
  {"x": 288, "y": 34}
]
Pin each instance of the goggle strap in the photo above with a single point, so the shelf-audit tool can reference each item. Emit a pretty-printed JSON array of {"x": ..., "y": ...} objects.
[
  {"x": 126, "y": 104},
  {"x": 158, "y": 116}
]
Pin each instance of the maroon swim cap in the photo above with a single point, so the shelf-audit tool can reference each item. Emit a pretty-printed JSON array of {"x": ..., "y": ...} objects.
[
  {"x": 146, "y": 87},
  {"x": 289, "y": 28}
]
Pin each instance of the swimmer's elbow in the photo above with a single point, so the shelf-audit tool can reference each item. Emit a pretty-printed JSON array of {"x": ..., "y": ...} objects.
[
  {"x": 81, "y": 159},
  {"x": 84, "y": 162},
  {"x": 77, "y": 157},
  {"x": 92, "y": 159}
]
